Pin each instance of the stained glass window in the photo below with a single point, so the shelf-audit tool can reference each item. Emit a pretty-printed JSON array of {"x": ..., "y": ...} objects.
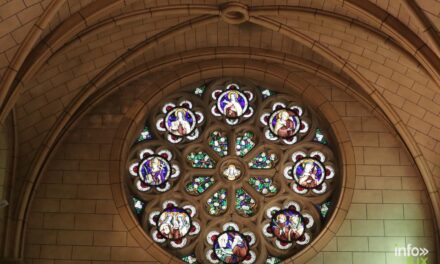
[{"x": 250, "y": 168}]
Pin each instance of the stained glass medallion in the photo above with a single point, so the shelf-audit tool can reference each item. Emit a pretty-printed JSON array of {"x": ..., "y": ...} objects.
[
  {"x": 232, "y": 103},
  {"x": 173, "y": 224},
  {"x": 310, "y": 173},
  {"x": 223, "y": 152},
  {"x": 288, "y": 226},
  {"x": 180, "y": 121},
  {"x": 231, "y": 246},
  {"x": 154, "y": 170},
  {"x": 284, "y": 122}
]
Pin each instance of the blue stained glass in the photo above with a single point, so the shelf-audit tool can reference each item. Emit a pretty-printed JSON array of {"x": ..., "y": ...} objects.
[{"x": 145, "y": 135}]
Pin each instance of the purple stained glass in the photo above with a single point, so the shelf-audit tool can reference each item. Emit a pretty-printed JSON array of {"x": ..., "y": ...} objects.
[
  {"x": 231, "y": 247},
  {"x": 180, "y": 121},
  {"x": 232, "y": 103},
  {"x": 284, "y": 123},
  {"x": 287, "y": 225},
  {"x": 174, "y": 223},
  {"x": 309, "y": 173},
  {"x": 154, "y": 170}
]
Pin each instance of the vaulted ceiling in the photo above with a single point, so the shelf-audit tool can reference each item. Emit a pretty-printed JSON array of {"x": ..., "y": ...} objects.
[{"x": 57, "y": 57}]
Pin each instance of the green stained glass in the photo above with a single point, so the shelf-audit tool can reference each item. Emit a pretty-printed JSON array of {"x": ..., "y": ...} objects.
[
  {"x": 217, "y": 204},
  {"x": 200, "y": 90},
  {"x": 201, "y": 160},
  {"x": 244, "y": 144},
  {"x": 324, "y": 209},
  {"x": 263, "y": 186},
  {"x": 267, "y": 93},
  {"x": 263, "y": 160},
  {"x": 199, "y": 185},
  {"x": 218, "y": 141},
  {"x": 319, "y": 137},
  {"x": 138, "y": 206},
  {"x": 191, "y": 259},
  {"x": 244, "y": 203},
  {"x": 273, "y": 260},
  {"x": 145, "y": 135}
]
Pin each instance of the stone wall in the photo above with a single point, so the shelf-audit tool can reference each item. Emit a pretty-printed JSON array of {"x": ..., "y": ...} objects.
[{"x": 74, "y": 218}]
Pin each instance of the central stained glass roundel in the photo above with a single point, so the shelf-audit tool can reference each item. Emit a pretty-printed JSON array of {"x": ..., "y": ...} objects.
[{"x": 229, "y": 172}]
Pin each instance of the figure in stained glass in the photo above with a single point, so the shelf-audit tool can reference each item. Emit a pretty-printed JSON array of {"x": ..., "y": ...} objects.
[
  {"x": 231, "y": 247},
  {"x": 308, "y": 173},
  {"x": 154, "y": 170},
  {"x": 284, "y": 123},
  {"x": 232, "y": 103},
  {"x": 229, "y": 146},
  {"x": 174, "y": 223},
  {"x": 180, "y": 121},
  {"x": 287, "y": 225}
]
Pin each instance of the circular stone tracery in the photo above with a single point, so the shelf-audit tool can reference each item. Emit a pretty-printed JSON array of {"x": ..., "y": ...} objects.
[{"x": 233, "y": 152}]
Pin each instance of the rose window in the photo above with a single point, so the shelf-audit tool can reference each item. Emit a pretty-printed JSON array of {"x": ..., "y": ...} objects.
[{"x": 230, "y": 172}]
